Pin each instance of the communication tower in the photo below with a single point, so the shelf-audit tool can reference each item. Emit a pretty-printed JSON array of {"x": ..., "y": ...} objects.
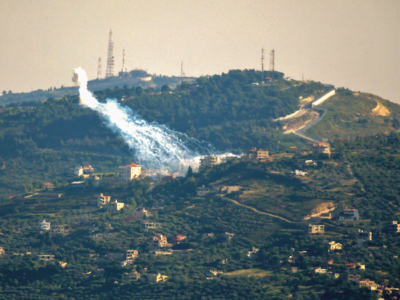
[
  {"x": 272, "y": 61},
  {"x": 182, "y": 73},
  {"x": 110, "y": 57},
  {"x": 123, "y": 61},
  {"x": 99, "y": 69},
  {"x": 262, "y": 65}
]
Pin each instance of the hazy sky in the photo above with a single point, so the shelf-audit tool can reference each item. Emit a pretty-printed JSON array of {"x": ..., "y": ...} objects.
[{"x": 355, "y": 44}]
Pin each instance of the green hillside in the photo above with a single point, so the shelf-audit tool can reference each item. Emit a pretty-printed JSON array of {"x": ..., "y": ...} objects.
[{"x": 352, "y": 114}]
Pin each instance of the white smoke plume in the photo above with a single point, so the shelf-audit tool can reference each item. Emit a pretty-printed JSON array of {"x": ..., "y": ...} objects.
[{"x": 155, "y": 146}]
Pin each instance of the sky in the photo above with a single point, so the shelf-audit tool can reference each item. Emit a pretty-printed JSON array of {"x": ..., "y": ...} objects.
[{"x": 353, "y": 44}]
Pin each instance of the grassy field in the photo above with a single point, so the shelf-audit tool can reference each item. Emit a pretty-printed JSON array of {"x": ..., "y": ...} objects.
[{"x": 250, "y": 272}]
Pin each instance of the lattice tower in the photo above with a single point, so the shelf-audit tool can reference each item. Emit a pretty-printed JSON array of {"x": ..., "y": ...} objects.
[{"x": 110, "y": 57}]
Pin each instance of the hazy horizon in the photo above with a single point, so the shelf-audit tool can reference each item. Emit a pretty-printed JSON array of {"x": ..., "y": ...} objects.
[{"x": 354, "y": 44}]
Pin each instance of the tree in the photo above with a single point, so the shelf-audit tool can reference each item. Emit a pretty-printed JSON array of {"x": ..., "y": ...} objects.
[
  {"x": 189, "y": 172},
  {"x": 165, "y": 88},
  {"x": 4, "y": 92}
]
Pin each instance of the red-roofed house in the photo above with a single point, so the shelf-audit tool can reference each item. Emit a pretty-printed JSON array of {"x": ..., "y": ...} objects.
[
  {"x": 258, "y": 154},
  {"x": 88, "y": 169},
  {"x": 129, "y": 172},
  {"x": 48, "y": 185},
  {"x": 178, "y": 239}
]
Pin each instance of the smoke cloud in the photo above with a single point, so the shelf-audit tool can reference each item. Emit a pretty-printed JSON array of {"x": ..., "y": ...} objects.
[{"x": 154, "y": 145}]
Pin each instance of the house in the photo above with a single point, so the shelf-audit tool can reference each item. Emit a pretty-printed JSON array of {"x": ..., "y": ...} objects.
[
  {"x": 371, "y": 285},
  {"x": 88, "y": 169},
  {"x": 315, "y": 229},
  {"x": 228, "y": 236},
  {"x": 322, "y": 147},
  {"x": 351, "y": 266},
  {"x": 353, "y": 277},
  {"x": 151, "y": 225},
  {"x": 209, "y": 161},
  {"x": 206, "y": 235},
  {"x": 332, "y": 245},
  {"x": 258, "y": 153},
  {"x": 140, "y": 213},
  {"x": 62, "y": 265},
  {"x": 58, "y": 230},
  {"x": 44, "y": 225},
  {"x": 131, "y": 254},
  {"x": 202, "y": 191},
  {"x": 329, "y": 261},
  {"x": 215, "y": 272},
  {"x": 178, "y": 239},
  {"x": 157, "y": 278},
  {"x": 159, "y": 241},
  {"x": 318, "y": 270},
  {"x": 103, "y": 200},
  {"x": 363, "y": 237},
  {"x": 252, "y": 252},
  {"x": 310, "y": 162},
  {"x": 300, "y": 173},
  {"x": 77, "y": 171},
  {"x": 117, "y": 205},
  {"x": 132, "y": 276},
  {"x": 48, "y": 185},
  {"x": 349, "y": 215},
  {"x": 45, "y": 257},
  {"x": 129, "y": 172},
  {"x": 394, "y": 227}
]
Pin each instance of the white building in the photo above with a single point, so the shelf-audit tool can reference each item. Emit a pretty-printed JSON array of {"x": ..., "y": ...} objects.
[
  {"x": 129, "y": 172},
  {"x": 349, "y": 215},
  {"x": 300, "y": 173},
  {"x": 77, "y": 171},
  {"x": 44, "y": 225},
  {"x": 103, "y": 200},
  {"x": 209, "y": 161}
]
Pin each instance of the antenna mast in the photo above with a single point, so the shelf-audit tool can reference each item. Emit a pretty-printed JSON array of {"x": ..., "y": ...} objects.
[
  {"x": 123, "y": 60},
  {"x": 99, "y": 69},
  {"x": 262, "y": 65},
  {"x": 110, "y": 57},
  {"x": 182, "y": 73},
  {"x": 272, "y": 61}
]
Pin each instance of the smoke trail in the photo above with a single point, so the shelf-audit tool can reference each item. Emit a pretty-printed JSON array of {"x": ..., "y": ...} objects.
[{"x": 154, "y": 145}]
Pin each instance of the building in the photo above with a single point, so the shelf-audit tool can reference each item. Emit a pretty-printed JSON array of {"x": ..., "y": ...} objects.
[
  {"x": 48, "y": 185},
  {"x": 132, "y": 276},
  {"x": 157, "y": 278},
  {"x": 322, "y": 148},
  {"x": 77, "y": 171},
  {"x": 178, "y": 239},
  {"x": 140, "y": 213},
  {"x": 44, "y": 225},
  {"x": 88, "y": 169},
  {"x": 62, "y": 264},
  {"x": 129, "y": 172},
  {"x": 318, "y": 270},
  {"x": 2, "y": 251},
  {"x": 45, "y": 257},
  {"x": 363, "y": 237},
  {"x": 251, "y": 252},
  {"x": 353, "y": 277},
  {"x": 332, "y": 245},
  {"x": 131, "y": 254},
  {"x": 300, "y": 173},
  {"x": 209, "y": 161},
  {"x": 168, "y": 178},
  {"x": 371, "y": 285},
  {"x": 58, "y": 230},
  {"x": 228, "y": 236},
  {"x": 215, "y": 272},
  {"x": 257, "y": 154},
  {"x": 117, "y": 205},
  {"x": 202, "y": 191},
  {"x": 151, "y": 225},
  {"x": 159, "y": 241},
  {"x": 103, "y": 200},
  {"x": 349, "y": 215},
  {"x": 315, "y": 229},
  {"x": 393, "y": 227}
]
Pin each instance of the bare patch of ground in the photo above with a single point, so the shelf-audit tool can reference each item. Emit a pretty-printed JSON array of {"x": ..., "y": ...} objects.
[{"x": 380, "y": 110}]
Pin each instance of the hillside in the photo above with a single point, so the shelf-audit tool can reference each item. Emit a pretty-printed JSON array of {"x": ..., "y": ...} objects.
[
  {"x": 353, "y": 114},
  {"x": 250, "y": 244}
]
